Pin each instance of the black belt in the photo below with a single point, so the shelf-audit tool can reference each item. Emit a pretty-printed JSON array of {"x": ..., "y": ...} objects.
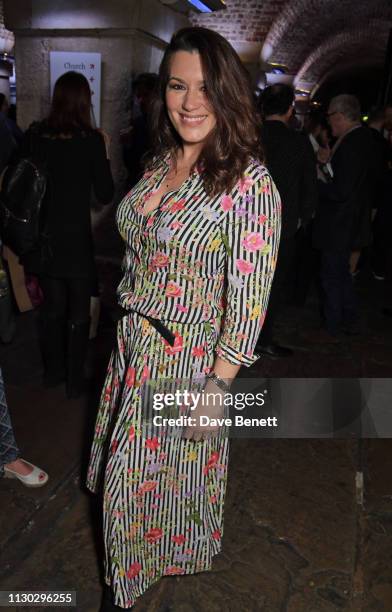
[{"x": 156, "y": 323}]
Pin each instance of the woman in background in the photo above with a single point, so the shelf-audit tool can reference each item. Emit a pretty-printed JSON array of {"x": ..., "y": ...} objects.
[
  {"x": 77, "y": 159},
  {"x": 11, "y": 465}
]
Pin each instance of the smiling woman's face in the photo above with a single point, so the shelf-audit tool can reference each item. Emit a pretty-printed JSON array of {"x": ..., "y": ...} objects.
[{"x": 186, "y": 100}]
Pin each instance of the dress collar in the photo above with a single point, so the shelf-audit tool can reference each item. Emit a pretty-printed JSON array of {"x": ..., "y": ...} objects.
[{"x": 167, "y": 164}]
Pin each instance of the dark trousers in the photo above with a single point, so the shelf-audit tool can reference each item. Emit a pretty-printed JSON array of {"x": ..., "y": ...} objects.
[
  {"x": 306, "y": 266},
  {"x": 381, "y": 249},
  {"x": 280, "y": 288},
  {"x": 339, "y": 302},
  {"x": 64, "y": 331},
  {"x": 66, "y": 298}
]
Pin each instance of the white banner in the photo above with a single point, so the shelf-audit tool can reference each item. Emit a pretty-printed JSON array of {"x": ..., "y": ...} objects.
[{"x": 88, "y": 64}]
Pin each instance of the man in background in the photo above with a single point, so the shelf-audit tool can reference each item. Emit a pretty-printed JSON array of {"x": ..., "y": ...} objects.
[
  {"x": 381, "y": 196},
  {"x": 292, "y": 164},
  {"x": 343, "y": 218}
]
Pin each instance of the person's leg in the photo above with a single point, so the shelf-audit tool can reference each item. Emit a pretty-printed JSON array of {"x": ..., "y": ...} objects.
[
  {"x": 381, "y": 238},
  {"x": 277, "y": 295},
  {"x": 349, "y": 301},
  {"x": 307, "y": 267},
  {"x": 11, "y": 464},
  {"x": 294, "y": 272},
  {"x": 331, "y": 282},
  {"x": 7, "y": 315},
  {"x": 53, "y": 329},
  {"x": 9, "y": 451},
  {"x": 79, "y": 293}
]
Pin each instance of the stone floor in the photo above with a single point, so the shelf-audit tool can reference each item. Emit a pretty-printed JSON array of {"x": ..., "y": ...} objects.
[{"x": 302, "y": 534}]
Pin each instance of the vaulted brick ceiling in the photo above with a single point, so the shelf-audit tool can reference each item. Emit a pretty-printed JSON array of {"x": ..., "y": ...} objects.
[{"x": 314, "y": 39}]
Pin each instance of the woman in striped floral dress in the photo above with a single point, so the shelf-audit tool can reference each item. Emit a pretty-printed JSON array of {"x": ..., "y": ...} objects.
[{"x": 202, "y": 230}]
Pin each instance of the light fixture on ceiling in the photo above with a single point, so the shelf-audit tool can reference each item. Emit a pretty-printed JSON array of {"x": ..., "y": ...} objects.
[
  {"x": 277, "y": 68},
  {"x": 302, "y": 92},
  {"x": 199, "y": 6}
]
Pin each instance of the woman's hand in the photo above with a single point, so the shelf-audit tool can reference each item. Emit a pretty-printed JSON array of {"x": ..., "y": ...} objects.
[
  {"x": 211, "y": 407},
  {"x": 214, "y": 408}
]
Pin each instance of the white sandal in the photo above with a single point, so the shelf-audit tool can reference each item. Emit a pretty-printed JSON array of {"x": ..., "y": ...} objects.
[{"x": 36, "y": 478}]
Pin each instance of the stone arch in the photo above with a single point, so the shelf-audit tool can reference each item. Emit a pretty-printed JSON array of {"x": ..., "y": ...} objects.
[
  {"x": 370, "y": 38},
  {"x": 302, "y": 26},
  {"x": 344, "y": 67}
]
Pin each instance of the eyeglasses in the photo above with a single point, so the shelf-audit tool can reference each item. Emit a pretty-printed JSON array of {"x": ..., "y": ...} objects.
[{"x": 330, "y": 114}]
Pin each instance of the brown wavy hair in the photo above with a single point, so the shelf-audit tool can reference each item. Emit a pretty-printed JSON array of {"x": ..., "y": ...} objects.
[
  {"x": 71, "y": 103},
  {"x": 235, "y": 138}
]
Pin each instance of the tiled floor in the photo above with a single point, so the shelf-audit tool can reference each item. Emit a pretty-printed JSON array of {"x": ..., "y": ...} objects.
[{"x": 298, "y": 537}]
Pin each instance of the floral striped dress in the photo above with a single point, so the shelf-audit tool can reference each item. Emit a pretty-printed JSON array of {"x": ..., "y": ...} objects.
[{"x": 204, "y": 267}]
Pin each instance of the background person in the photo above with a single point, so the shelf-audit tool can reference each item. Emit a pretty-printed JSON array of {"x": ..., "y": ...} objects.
[
  {"x": 382, "y": 199},
  {"x": 305, "y": 269},
  {"x": 137, "y": 142},
  {"x": 5, "y": 113},
  {"x": 8, "y": 144},
  {"x": 291, "y": 162},
  {"x": 77, "y": 159},
  {"x": 343, "y": 217},
  {"x": 11, "y": 464},
  {"x": 316, "y": 128}
]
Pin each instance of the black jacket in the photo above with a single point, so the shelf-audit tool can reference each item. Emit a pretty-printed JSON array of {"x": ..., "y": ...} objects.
[
  {"x": 292, "y": 164},
  {"x": 133, "y": 153},
  {"x": 381, "y": 160},
  {"x": 343, "y": 217},
  {"x": 7, "y": 142},
  {"x": 77, "y": 165}
]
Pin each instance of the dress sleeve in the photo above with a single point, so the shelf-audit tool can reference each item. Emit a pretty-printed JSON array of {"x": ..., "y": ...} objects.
[{"x": 251, "y": 234}]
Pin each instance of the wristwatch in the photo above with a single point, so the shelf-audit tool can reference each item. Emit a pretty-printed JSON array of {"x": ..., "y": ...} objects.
[{"x": 219, "y": 382}]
